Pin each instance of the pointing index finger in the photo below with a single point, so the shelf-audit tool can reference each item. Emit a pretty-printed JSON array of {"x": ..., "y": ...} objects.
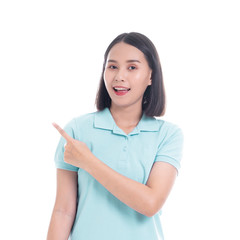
[{"x": 62, "y": 132}]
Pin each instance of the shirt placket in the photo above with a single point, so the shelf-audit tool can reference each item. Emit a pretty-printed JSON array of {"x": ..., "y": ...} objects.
[{"x": 124, "y": 153}]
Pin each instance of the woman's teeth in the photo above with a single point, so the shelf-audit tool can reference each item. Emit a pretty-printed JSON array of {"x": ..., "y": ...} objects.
[{"x": 121, "y": 89}]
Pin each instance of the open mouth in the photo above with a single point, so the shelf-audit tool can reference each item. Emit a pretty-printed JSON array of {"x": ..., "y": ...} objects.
[{"x": 121, "y": 89}]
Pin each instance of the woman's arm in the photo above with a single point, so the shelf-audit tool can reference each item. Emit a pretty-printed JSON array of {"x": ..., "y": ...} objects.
[
  {"x": 146, "y": 199},
  {"x": 65, "y": 206}
]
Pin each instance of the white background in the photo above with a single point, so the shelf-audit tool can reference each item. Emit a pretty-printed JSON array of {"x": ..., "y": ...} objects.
[{"x": 51, "y": 55}]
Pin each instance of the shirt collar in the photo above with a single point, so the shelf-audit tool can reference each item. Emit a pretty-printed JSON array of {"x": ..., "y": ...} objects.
[{"x": 104, "y": 120}]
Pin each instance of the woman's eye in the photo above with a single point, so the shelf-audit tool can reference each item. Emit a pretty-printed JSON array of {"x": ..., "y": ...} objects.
[
  {"x": 132, "y": 67},
  {"x": 112, "y": 67}
]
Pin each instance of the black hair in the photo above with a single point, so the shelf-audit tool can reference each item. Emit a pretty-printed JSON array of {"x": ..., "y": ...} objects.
[{"x": 154, "y": 99}]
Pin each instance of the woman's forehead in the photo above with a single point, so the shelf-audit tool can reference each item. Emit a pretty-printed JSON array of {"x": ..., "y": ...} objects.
[{"x": 124, "y": 51}]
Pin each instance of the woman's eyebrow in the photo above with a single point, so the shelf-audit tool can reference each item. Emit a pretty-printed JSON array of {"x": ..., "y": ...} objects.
[{"x": 132, "y": 60}]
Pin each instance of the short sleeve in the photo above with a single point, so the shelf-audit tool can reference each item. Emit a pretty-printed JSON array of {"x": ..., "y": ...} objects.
[
  {"x": 59, "y": 154},
  {"x": 170, "y": 149}
]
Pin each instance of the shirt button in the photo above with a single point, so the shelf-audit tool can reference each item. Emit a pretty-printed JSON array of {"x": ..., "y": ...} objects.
[{"x": 125, "y": 149}]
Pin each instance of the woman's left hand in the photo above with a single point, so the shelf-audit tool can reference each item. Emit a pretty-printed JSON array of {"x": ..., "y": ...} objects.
[{"x": 76, "y": 152}]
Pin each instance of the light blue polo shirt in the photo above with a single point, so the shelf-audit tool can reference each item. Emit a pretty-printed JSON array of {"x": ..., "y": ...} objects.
[{"x": 100, "y": 215}]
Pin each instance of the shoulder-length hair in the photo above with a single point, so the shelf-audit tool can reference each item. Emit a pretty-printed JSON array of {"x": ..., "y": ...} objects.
[{"x": 154, "y": 99}]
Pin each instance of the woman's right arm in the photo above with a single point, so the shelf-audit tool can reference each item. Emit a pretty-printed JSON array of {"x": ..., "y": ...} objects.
[{"x": 65, "y": 207}]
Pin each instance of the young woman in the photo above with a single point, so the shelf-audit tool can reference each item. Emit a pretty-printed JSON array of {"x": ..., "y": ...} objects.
[{"x": 116, "y": 166}]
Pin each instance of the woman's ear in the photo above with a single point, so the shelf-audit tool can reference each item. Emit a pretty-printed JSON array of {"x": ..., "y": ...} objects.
[{"x": 150, "y": 78}]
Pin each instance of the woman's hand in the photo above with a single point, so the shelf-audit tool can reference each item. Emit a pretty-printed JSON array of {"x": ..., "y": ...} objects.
[{"x": 76, "y": 152}]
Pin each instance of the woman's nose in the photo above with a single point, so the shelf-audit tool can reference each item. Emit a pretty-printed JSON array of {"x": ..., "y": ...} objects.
[{"x": 120, "y": 76}]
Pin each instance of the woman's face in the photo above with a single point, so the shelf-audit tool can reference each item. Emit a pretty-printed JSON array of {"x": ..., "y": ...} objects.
[{"x": 126, "y": 75}]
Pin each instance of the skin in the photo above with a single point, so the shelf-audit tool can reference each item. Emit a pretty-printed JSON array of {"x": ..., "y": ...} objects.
[
  {"x": 126, "y": 110},
  {"x": 65, "y": 207}
]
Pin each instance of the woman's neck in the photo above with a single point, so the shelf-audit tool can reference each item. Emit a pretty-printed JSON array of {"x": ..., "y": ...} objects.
[{"x": 126, "y": 116}]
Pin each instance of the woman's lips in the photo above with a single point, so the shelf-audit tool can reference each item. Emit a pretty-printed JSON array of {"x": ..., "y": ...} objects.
[{"x": 121, "y": 93}]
